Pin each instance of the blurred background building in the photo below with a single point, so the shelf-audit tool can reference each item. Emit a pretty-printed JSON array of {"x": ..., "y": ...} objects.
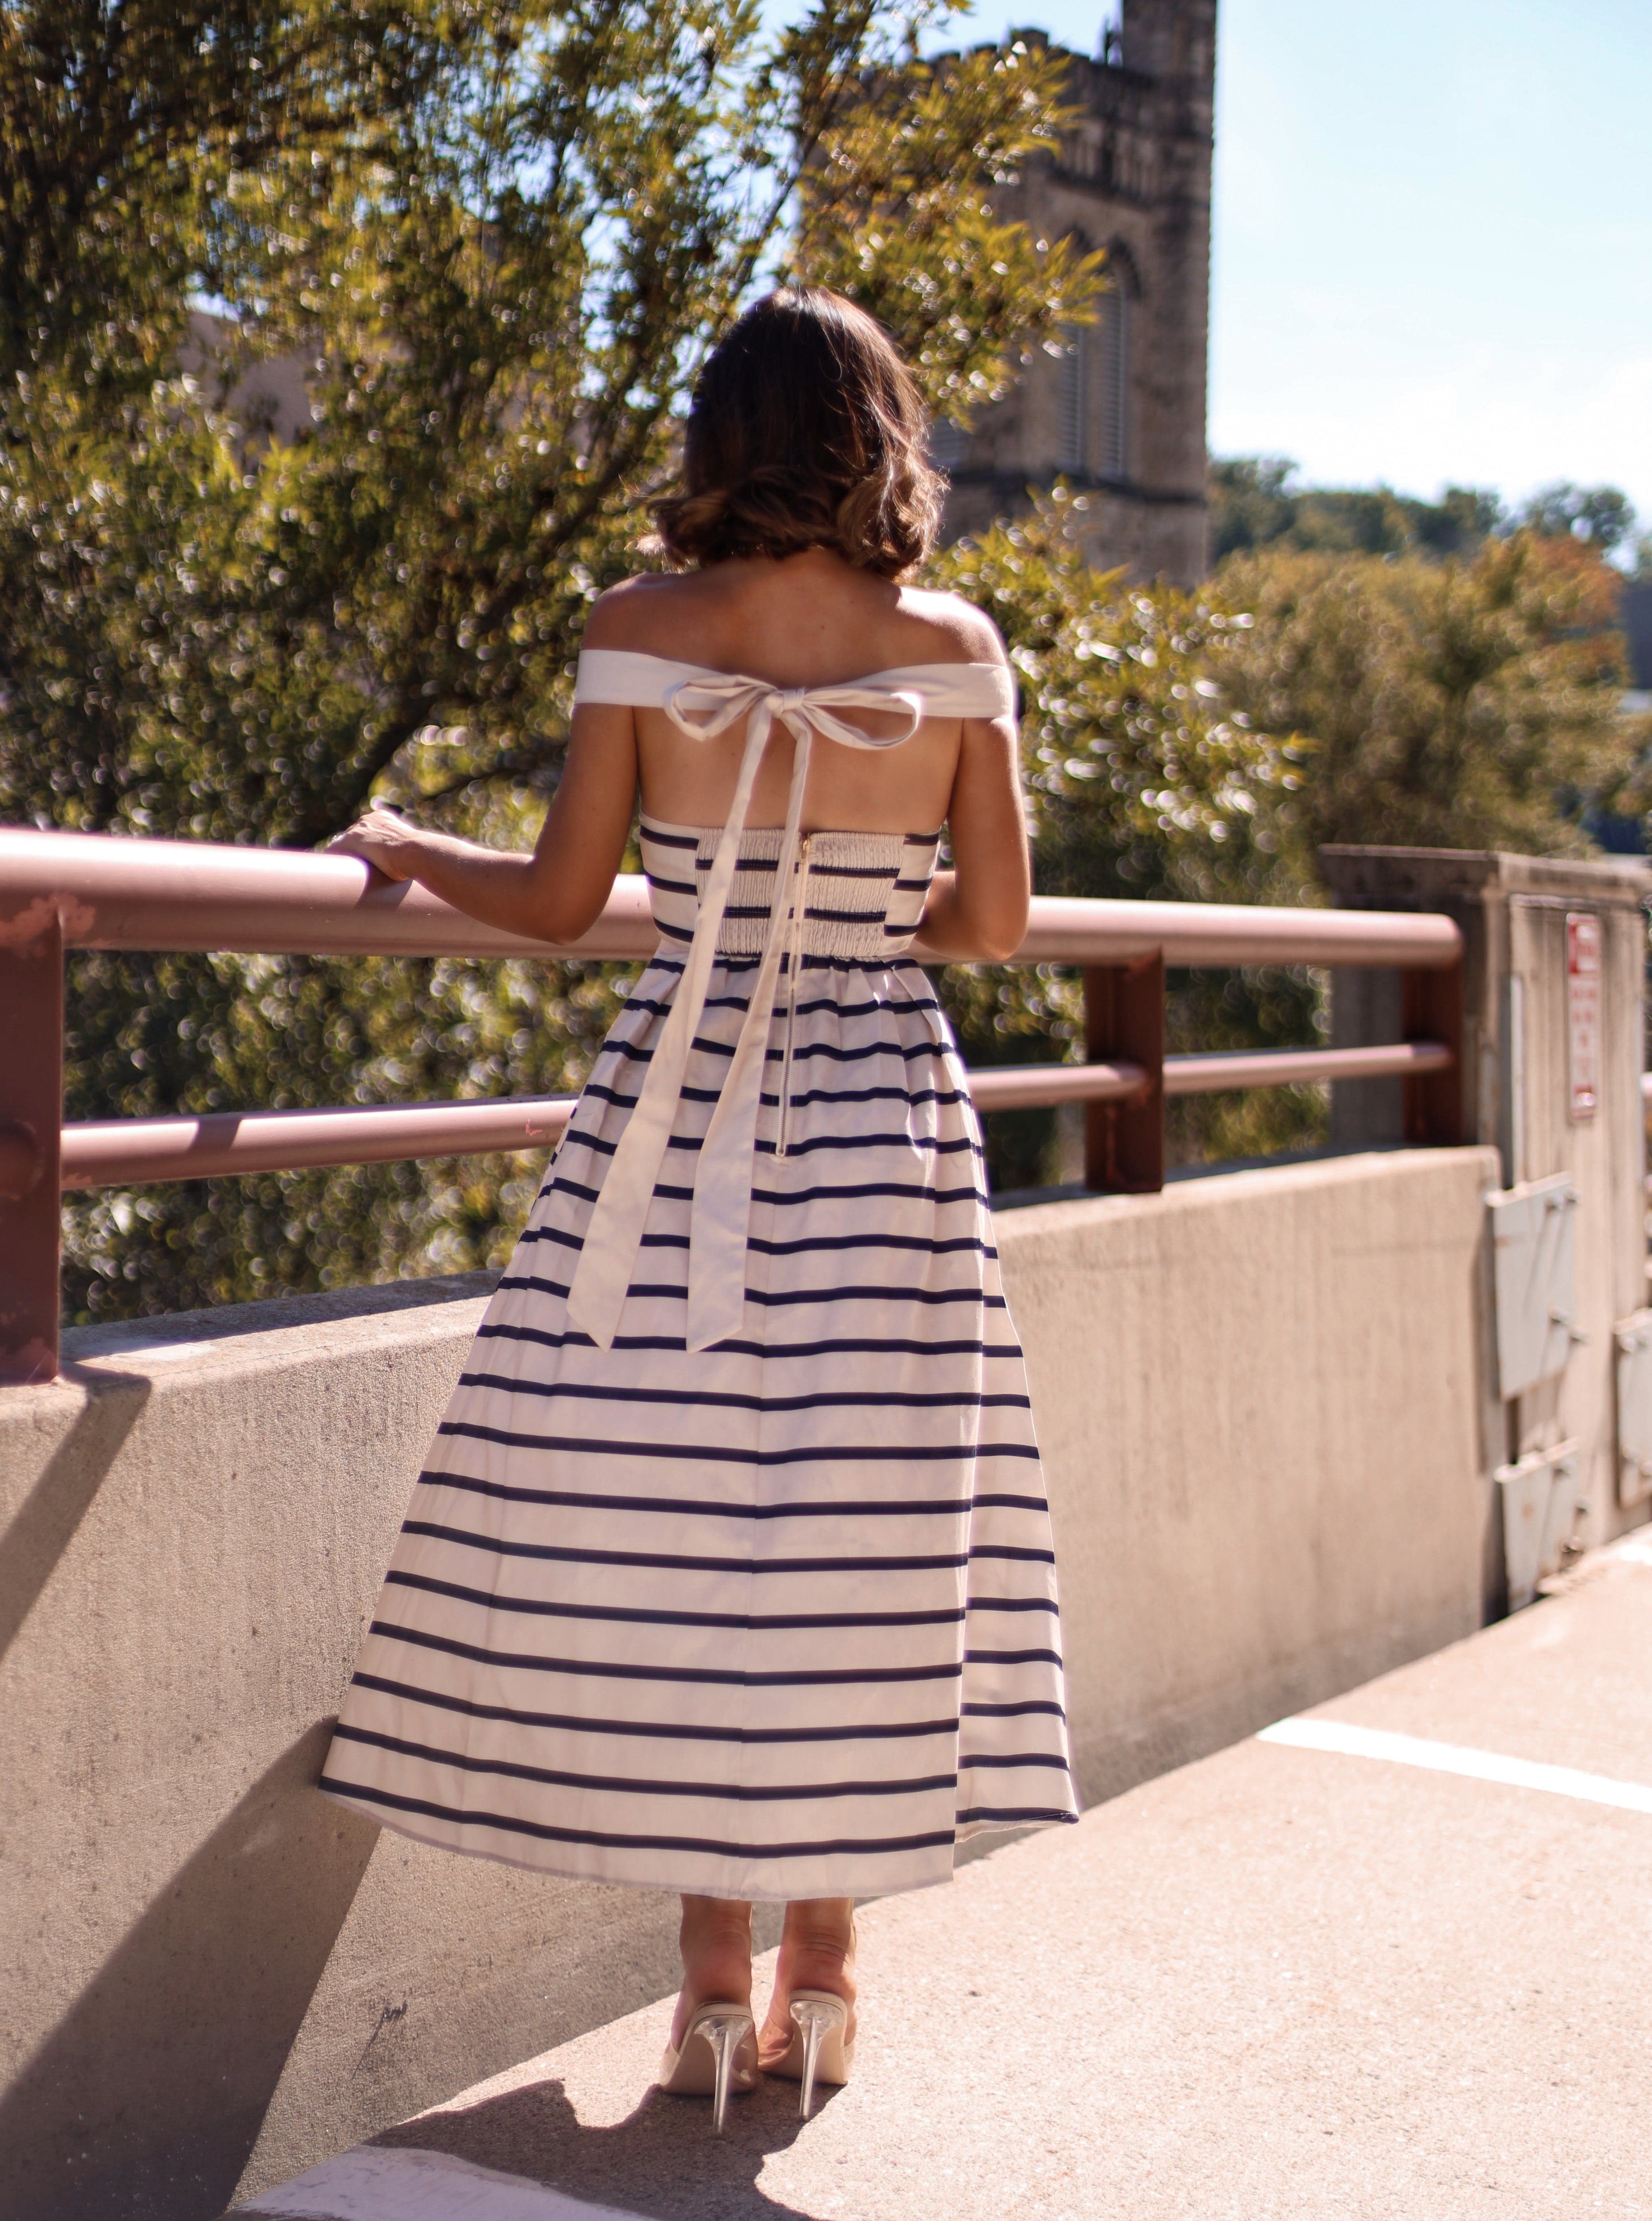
[{"x": 1121, "y": 414}]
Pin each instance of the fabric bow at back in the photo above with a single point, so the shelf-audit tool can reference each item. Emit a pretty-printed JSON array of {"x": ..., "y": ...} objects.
[{"x": 701, "y": 707}]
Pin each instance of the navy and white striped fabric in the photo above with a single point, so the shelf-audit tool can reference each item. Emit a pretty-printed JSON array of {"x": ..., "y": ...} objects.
[{"x": 776, "y": 1619}]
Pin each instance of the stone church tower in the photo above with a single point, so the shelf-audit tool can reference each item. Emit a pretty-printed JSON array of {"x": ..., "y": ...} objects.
[{"x": 1121, "y": 414}]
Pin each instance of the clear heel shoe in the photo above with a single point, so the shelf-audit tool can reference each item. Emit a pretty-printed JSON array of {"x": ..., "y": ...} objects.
[
  {"x": 819, "y": 2050},
  {"x": 706, "y": 2063}
]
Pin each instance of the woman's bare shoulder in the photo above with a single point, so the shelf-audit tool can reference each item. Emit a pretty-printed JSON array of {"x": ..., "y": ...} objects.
[
  {"x": 635, "y": 614},
  {"x": 955, "y": 630},
  {"x": 758, "y": 615}
]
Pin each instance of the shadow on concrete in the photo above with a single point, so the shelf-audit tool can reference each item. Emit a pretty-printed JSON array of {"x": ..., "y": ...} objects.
[
  {"x": 662, "y": 2162},
  {"x": 145, "y": 2102},
  {"x": 125, "y": 1338},
  {"x": 45, "y": 1521}
]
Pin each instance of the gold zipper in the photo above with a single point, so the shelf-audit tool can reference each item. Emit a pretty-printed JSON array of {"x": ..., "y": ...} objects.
[{"x": 793, "y": 967}]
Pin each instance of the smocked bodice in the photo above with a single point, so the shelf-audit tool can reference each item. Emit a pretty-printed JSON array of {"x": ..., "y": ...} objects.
[{"x": 861, "y": 894}]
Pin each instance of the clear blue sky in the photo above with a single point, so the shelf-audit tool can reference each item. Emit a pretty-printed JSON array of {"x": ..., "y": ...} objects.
[{"x": 1433, "y": 236}]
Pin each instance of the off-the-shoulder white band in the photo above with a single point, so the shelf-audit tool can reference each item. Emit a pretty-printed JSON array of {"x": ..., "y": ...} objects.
[{"x": 947, "y": 690}]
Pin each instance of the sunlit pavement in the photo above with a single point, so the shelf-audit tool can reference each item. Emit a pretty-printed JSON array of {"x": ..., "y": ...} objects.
[{"x": 1293, "y": 1979}]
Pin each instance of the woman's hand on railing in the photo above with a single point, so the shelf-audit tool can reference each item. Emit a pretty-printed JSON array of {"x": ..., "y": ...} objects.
[
  {"x": 384, "y": 839},
  {"x": 556, "y": 894},
  {"x": 499, "y": 886}
]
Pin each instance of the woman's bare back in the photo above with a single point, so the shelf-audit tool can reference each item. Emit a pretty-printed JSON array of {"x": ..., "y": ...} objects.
[{"x": 813, "y": 620}]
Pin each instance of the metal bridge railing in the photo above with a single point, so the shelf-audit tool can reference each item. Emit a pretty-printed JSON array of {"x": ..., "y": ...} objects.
[{"x": 62, "y": 891}]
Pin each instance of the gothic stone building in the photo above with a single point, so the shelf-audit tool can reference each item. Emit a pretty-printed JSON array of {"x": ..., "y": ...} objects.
[{"x": 1120, "y": 415}]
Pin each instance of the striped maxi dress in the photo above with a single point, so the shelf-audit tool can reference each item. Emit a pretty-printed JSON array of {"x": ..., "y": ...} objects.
[{"x": 730, "y": 1570}]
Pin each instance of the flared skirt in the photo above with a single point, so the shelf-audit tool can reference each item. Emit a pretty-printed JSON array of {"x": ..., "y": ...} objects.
[{"x": 777, "y": 1619}]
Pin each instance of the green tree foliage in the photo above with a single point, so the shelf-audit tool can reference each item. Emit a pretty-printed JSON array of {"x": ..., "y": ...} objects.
[
  {"x": 1602, "y": 516},
  {"x": 1464, "y": 704},
  {"x": 1255, "y": 502},
  {"x": 500, "y": 290},
  {"x": 1447, "y": 706},
  {"x": 118, "y": 125},
  {"x": 1205, "y": 745},
  {"x": 498, "y": 236},
  {"x": 1142, "y": 779}
]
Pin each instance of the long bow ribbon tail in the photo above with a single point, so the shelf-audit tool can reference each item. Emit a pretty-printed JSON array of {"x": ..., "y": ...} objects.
[
  {"x": 613, "y": 1233},
  {"x": 719, "y": 1226}
]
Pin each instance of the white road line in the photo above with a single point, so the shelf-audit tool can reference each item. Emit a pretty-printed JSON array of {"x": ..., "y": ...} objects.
[
  {"x": 1350, "y": 1742},
  {"x": 375, "y": 2184}
]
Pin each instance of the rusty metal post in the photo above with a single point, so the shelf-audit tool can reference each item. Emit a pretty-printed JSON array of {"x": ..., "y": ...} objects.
[
  {"x": 31, "y": 1118},
  {"x": 1123, "y": 1022},
  {"x": 1431, "y": 1008}
]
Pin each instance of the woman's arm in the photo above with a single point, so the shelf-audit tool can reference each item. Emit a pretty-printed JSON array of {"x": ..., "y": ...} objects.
[
  {"x": 977, "y": 912},
  {"x": 558, "y": 892}
]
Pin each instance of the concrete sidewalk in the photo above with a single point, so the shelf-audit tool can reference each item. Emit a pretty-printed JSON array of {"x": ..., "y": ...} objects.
[{"x": 1285, "y": 1981}]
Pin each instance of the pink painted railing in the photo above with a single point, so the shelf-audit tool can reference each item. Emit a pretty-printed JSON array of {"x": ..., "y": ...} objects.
[{"x": 61, "y": 890}]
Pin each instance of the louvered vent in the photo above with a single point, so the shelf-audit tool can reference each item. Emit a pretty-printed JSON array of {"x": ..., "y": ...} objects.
[
  {"x": 1071, "y": 394},
  {"x": 1111, "y": 346}
]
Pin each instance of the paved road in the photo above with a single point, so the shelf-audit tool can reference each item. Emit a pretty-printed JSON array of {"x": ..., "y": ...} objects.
[{"x": 1287, "y": 1981}]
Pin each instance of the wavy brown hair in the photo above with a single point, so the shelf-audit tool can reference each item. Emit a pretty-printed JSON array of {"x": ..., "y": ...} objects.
[{"x": 807, "y": 430}]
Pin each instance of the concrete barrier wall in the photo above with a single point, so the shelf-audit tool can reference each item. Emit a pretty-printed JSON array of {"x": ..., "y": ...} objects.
[{"x": 1260, "y": 1398}]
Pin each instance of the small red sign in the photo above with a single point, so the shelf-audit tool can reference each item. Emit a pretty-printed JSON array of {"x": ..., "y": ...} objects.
[{"x": 1583, "y": 1011}]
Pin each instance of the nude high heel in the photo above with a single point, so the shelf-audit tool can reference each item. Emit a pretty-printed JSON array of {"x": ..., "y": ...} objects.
[
  {"x": 819, "y": 2052},
  {"x": 705, "y": 2063}
]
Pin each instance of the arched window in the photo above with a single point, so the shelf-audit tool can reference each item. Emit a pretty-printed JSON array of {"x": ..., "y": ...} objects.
[
  {"x": 1093, "y": 425},
  {"x": 1111, "y": 348},
  {"x": 1072, "y": 398},
  {"x": 1074, "y": 367}
]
